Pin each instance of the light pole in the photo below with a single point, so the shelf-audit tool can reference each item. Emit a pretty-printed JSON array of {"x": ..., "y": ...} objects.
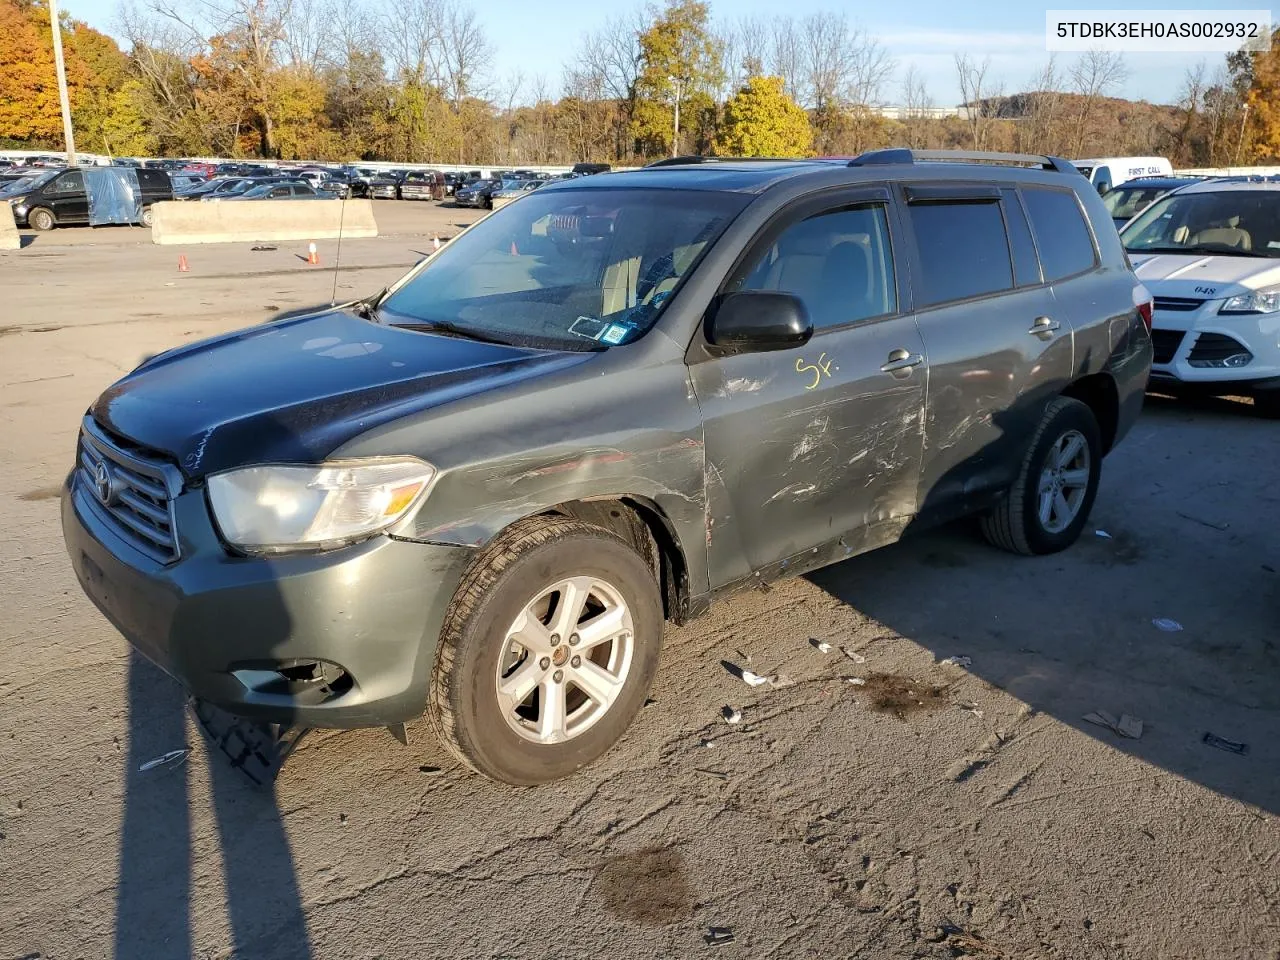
[
  {"x": 678, "y": 84},
  {"x": 62, "y": 83}
]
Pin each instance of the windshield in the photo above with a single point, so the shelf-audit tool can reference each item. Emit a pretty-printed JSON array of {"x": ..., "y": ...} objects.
[
  {"x": 1242, "y": 223},
  {"x": 567, "y": 269},
  {"x": 30, "y": 183},
  {"x": 1124, "y": 203}
]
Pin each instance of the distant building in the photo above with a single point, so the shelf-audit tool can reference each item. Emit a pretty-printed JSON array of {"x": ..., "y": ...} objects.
[{"x": 918, "y": 113}]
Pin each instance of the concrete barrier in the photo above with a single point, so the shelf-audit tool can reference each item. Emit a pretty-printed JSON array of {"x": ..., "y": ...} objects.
[
  {"x": 9, "y": 239},
  {"x": 193, "y": 221}
]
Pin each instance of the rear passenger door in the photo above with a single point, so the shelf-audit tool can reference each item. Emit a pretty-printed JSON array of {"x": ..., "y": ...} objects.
[
  {"x": 999, "y": 349},
  {"x": 809, "y": 445}
]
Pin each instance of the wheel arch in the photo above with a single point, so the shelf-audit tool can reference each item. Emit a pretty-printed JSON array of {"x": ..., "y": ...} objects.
[
  {"x": 1099, "y": 393},
  {"x": 642, "y": 523}
]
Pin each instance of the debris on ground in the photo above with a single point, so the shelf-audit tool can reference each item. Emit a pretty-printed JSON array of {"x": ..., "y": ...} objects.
[
  {"x": 958, "y": 661},
  {"x": 707, "y": 743},
  {"x": 779, "y": 680},
  {"x": 856, "y": 681},
  {"x": 820, "y": 645},
  {"x": 1102, "y": 534},
  {"x": 753, "y": 679},
  {"x": 718, "y": 774},
  {"x": 731, "y": 714},
  {"x": 890, "y": 693},
  {"x": 427, "y": 768},
  {"x": 263, "y": 247},
  {"x": 173, "y": 758},
  {"x": 718, "y": 936},
  {"x": 853, "y": 655},
  {"x": 970, "y": 706},
  {"x": 1221, "y": 743},
  {"x": 1222, "y": 527},
  {"x": 1125, "y": 725},
  {"x": 1167, "y": 625}
]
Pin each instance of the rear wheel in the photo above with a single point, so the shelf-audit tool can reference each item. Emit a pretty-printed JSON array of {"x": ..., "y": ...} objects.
[
  {"x": 41, "y": 219},
  {"x": 1048, "y": 505},
  {"x": 548, "y": 651}
]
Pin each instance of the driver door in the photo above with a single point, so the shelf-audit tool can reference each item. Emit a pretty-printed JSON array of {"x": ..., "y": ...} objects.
[{"x": 816, "y": 448}]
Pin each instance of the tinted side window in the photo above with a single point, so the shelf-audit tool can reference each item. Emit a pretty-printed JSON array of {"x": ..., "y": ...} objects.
[
  {"x": 69, "y": 183},
  {"x": 839, "y": 263},
  {"x": 964, "y": 251},
  {"x": 1026, "y": 268},
  {"x": 1066, "y": 245}
]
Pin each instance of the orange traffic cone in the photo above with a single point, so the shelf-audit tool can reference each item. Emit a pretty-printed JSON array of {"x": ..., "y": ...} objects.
[
  {"x": 182, "y": 263},
  {"x": 313, "y": 258}
]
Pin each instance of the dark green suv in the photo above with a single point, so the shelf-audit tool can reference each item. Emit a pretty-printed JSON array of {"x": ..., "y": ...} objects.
[{"x": 483, "y": 492}]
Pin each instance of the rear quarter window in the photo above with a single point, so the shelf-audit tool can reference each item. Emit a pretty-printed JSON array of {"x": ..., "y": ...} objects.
[
  {"x": 963, "y": 248},
  {"x": 1062, "y": 236}
]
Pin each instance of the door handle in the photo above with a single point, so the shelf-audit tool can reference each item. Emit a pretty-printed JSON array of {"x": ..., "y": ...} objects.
[
  {"x": 901, "y": 359},
  {"x": 1044, "y": 325}
]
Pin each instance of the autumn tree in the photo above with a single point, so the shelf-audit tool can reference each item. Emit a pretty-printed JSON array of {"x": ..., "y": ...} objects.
[
  {"x": 760, "y": 120},
  {"x": 1263, "y": 100},
  {"x": 29, "y": 109},
  {"x": 681, "y": 69}
]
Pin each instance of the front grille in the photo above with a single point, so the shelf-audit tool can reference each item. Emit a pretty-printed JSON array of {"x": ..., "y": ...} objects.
[
  {"x": 1166, "y": 343},
  {"x": 1214, "y": 349},
  {"x": 132, "y": 489},
  {"x": 1178, "y": 304}
]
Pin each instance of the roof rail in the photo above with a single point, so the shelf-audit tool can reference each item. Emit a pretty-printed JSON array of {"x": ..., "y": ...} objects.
[
  {"x": 698, "y": 158},
  {"x": 897, "y": 155}
]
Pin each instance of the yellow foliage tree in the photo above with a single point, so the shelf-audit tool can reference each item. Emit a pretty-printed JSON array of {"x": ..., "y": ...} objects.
[
  {"x": 760, "y": 120},
  {"x": 1263, "y": 100}
]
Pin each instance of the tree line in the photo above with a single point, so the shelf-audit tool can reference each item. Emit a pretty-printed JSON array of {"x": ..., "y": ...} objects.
[{"x": 416, "y": 81}]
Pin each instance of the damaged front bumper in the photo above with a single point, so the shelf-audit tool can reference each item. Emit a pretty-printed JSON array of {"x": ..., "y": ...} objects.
[{"x": 344, "y": 638}]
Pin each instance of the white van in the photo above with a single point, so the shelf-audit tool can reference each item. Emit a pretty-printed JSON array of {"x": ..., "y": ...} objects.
[{"x": 1107, "y": 172}]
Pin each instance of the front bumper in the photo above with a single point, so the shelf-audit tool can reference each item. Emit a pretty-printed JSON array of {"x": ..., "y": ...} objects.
[
  {"x": 1186, "y": 338},
  {"x": 383, "y": 192},
  {"x": 222, "y": 624}
]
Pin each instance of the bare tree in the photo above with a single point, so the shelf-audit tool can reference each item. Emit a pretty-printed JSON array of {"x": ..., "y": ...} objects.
[
  {"x": 753, "y": 45},
  {"x": 466, "y": 53},
  {"x": 610, "y": 60},
  {"x": 305, "y": 28},
  {"x": 1093, "y": 77},
  {"x": 916, "y": 104},
  {"x": 786, "y": 55},
  {"x": 973, "y": 91},
  {"x": 414, "y": 37},
  {"x": 1043, "y": 113}
]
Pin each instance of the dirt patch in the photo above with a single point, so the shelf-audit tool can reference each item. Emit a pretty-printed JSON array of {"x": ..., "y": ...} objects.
[
  {"x": 900, "y": 696},
  {"x": 41, "y": 493},
  {"x": 649, "y": 886}
]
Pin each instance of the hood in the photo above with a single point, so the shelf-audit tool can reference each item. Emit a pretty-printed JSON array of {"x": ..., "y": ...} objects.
[
  {"x": 1204, "y": 277},
  {"x": 295, "y": 390}
]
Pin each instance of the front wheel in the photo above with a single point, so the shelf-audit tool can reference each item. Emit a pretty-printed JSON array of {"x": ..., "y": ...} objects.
[
  {"x": 547, "y": 652},
  {"x": 1048, "y": 505},
  {"x": 41, "y": 219},
  {"x": 147, "y": 218}
]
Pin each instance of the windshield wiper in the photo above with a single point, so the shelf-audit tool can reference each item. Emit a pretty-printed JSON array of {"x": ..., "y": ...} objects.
[
  {"x": 1211, "y": 250},
  {"x": 451, "y": 330}
]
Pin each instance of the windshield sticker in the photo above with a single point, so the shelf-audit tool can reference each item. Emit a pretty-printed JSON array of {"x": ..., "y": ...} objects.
[
  {"x": 588, "y": 327},
  {"x": 614, "y": 334}
]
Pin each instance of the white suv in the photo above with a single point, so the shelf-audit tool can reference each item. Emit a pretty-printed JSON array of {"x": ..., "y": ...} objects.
[{"x": 1210, "y": 254}]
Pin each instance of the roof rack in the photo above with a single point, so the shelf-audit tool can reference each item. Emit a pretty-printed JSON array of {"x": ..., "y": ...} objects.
[
  {"x": 698, "y": 158},
  {"x": 897, "y": 155}
]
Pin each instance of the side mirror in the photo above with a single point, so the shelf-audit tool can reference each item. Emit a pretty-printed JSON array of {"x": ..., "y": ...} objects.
[{"x": 759, "y": 320}]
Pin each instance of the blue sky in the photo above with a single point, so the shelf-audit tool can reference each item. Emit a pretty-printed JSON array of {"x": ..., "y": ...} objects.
[{"x": 536, "y": 37}]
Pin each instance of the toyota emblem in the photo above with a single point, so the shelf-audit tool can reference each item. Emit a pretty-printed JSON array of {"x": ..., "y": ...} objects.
[{"x": 102, "y": 483}]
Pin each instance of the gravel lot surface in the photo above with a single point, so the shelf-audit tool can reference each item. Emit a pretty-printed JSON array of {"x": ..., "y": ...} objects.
[{"x": 934, "y": 811}]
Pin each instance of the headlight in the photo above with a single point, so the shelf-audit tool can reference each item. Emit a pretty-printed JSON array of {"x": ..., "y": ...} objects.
[
  {"x": 1259, "y": 301},
  {"x": 18, "y": 200},
  {"x": 277, "y": 509}
]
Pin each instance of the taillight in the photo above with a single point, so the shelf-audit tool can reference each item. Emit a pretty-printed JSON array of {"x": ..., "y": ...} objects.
[
  {"x": 1144, "y": 310},
  {"x": 1144, "y": 304}
]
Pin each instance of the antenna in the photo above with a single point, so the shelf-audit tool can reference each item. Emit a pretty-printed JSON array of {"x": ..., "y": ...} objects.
[{"x": 337, "y": 260}]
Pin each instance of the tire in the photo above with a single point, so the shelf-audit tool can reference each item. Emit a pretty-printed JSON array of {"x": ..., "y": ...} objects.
[
  {"x": 41, "y": 219},
  {"x": 1016, "y": 524},
  {"x": 147, "y": 218},
  {"x": 524, "y": 562}
]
